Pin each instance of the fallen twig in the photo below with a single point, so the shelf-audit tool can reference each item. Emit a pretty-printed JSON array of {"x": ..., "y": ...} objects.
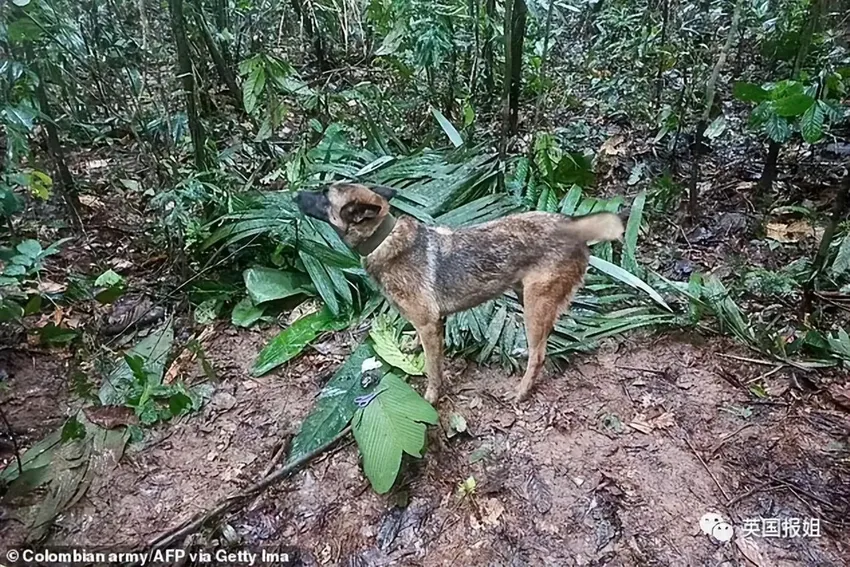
[
  {"x": 234, "y": 501},
  {"x": 705, "y": 466}
]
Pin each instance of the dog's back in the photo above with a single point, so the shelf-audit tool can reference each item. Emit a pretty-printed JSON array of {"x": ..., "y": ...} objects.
[{"x": 478, "y": 263}]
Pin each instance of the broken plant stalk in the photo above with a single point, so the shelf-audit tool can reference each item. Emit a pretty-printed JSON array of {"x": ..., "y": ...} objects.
[{"x": 234, "y": 501}]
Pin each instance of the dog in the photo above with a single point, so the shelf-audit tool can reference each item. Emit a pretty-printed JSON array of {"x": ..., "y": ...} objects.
[{"x": 429, "y": 272}]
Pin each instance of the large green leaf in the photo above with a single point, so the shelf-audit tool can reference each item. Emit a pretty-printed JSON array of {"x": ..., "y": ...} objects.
[
  {"x": 448, "y": 128},
  {"x": 842, "y": 259},
  {"x": 335, "y": 404},
  {"x": 777, "y": 128},
  {"x": 385, "y": 343},
  {"x": 629, "y": 260},
  {"x": 152, "y": 350},
  {"x": 811, "y": 124},
  {"x": 267, "y": 284},
  {"x": 627, "y": 278},
  {"x": 245, "y": 313},
  {"x": 749, "y": 92},
  {"x": 292, "y": 340},
  {"x": 252, "y": 87},
  {"x": 793, "y": 106},
  {"x": 393, "y": 423}
]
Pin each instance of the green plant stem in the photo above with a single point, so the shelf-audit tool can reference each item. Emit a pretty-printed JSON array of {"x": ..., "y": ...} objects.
[{"x": 234, "y": 501}]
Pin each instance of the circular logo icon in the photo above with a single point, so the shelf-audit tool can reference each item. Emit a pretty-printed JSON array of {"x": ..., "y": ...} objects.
[{"x": 716, "y": 527}]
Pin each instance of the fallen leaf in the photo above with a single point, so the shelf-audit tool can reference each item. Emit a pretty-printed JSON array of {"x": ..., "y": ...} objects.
[
  {"x": 538, "y": 493},
  {"x": 111, "y": 417},
  {"x": 639, "y": 423},
  {"x": 457, "y": 424},
  {"x": 47, "y": 286},
  {"x": 793, "y": 232},
  {"x": 663, "y": 421},
  {"x": 493, "y": 509},
  {"x": 840, "y": 395},
  {"x": 92, "y": 202},
  {"x": 614, "y": 145}
]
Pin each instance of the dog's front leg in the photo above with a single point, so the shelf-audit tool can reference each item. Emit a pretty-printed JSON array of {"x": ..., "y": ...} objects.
[{"x": 431, "y": 336}]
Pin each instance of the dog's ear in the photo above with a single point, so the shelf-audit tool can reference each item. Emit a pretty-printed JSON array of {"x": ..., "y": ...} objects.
[
  {"x": 384, "y": 191},
  {"x": 356, "y": 212}
]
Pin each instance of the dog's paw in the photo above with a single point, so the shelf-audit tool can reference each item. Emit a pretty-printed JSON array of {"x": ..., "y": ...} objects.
[
  {"x": 521, "y": 394},
  {"x": 431, "y": 396}
]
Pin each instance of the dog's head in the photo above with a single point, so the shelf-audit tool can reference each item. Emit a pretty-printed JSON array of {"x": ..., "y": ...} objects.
[{"x": 353, "y": 210}]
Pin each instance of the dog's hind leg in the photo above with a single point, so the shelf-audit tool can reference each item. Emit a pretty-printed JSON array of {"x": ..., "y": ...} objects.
[{"x": 545, "y": 295}]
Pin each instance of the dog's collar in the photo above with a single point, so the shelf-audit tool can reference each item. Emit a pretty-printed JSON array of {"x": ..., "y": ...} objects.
[{"x": 384, "y": 229}]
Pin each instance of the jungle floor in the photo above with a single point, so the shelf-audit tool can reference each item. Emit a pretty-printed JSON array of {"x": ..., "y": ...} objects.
[{"x": 612, "y": 462}]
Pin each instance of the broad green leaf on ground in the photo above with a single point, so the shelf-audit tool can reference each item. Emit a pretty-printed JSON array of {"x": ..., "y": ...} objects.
[
  {"x": 842, "y": 259},
  {"x": 152, "y": 350},
  {"x": 448, "y": 128},
  {"x": 108, "y": 279},
  {"x": 749, "y": 92},
  {"x": 37, "y": 456},
  {"x": 840, "y": 345},
  {"x": 268, "y": 284},
  {"x": 292, "y": 340},
  {"x": 73, "y": 467},
  {"x": 627, "y": 278},
  {"x": 629, "y": 260},
  {"x": 385, "y": 342},
  {"x": 245, "y": 313},
  {"x": 392, "y": 424},
  {"x": 335, "y": 404}
]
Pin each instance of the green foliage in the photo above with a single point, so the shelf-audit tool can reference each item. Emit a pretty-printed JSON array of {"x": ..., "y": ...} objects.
[
  {"x": 392, "y": 424},
  {"x": 788, "y": 105},
  {"x": 65, "y": 463},
  {"x": 385, "y": 341},
  {"x": 136, "y": 382},
  {"x": 292, "y": 340},
  {"x": 335, "y": 403}
]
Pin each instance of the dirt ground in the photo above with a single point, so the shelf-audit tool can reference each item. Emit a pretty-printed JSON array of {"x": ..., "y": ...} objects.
[{"x": 612, "y": 462}]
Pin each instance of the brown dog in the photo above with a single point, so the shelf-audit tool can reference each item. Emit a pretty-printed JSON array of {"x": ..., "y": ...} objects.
[{"x": 429, "y": 272}]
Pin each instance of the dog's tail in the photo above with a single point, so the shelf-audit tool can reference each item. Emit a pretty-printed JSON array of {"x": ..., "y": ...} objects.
[{"x": 599, "y": 227}]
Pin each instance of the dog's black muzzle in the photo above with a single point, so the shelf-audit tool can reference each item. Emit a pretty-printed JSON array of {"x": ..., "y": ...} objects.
[{"x": 313, "y": 204}]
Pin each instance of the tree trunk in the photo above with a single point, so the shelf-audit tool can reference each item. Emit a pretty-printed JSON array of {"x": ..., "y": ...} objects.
[
  {"x": 506, "y": 87},
  {"x": 68, "y": 189},
  {"x": 221, "y": 66},
  {"x": 487, "y": 50},
  {"x": 659, "y": 83},
  {"x": 449, "y": 103},
  {"x": 544, "y": 59},
  {"x": 809, "y": 28},
  {"x": 519, "y": 13},
  {"x": 710, "y": 90},
  {"x": 187, "y": 77},
  {"x": 768, "y": 174}
]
